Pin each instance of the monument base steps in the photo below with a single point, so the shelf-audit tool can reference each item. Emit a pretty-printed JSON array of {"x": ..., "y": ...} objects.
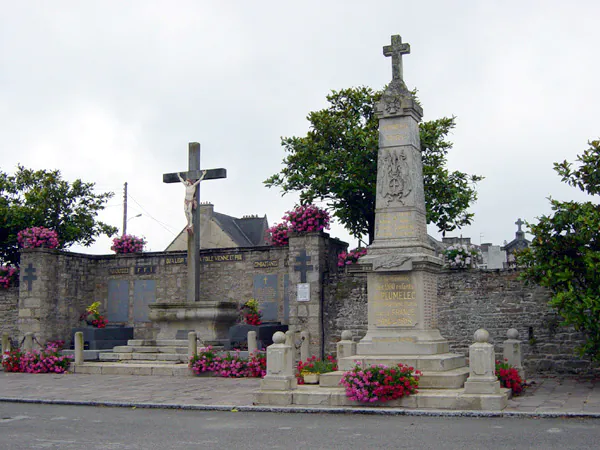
[
  {"x": 167, "y": 357},
  {"x": 451, "y": 399}
]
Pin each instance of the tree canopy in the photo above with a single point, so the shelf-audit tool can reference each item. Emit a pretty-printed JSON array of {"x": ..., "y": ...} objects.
[
  {"x": 564, "y": 255},
  {"x": 42, "y": 198},
  {"x": 337, "y": 162}
]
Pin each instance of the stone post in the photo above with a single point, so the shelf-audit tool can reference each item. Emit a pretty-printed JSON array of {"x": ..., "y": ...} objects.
[
  {"x": 192, "y": 344},
  {"x": 252, "y": 343},
  {"x": 5, "y": 343},
  {"x": 78, "y": 348},
  {"x": 512, "y": 351},
  {"x": 304, "y": 346},
  {"x": 346, "y": 348},
  {"x": 289, "y": 338},
  {"x": 280, "y": 366},
  {"x": 28, "y": 343},
  {"x": 482, "y": 364}
]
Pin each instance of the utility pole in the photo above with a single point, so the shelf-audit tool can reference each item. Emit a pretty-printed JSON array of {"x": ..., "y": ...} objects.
[{"x": 125, "y": 209}]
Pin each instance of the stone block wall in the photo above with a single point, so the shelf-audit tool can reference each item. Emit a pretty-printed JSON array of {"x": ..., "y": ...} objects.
[
  {"x": 9, "y": 311},
  {"x": 468, "y": 300},
  {"x": 497, "y": 300}
]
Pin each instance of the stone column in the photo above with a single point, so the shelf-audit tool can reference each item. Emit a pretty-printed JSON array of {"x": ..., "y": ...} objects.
[
  {"x": 512, "y": 351},
  {"x": 28, "y": 342},
  {"x": 307, "y": 265},
  {"x": 304, "y": 345},
  {"x": 5, "y": 343},
  {"x": 252, "y": 343},
  {"x": 192, "y": 344},
  {"x": 38, "y": 281},
  {"x": 402, "y": 267},
  {"x": 482, "y": 365},
  {"x": 79, "y": 348}
]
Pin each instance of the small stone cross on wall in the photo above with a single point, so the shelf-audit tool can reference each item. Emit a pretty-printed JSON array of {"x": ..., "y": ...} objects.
[
  {"x": 303, "y": 267},
  {"x": 396, "y": 50},
  {"x": 30, "y": 276}
]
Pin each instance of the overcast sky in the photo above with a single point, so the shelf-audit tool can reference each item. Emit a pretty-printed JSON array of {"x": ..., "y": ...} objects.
[{"x": 113, "y": 91}]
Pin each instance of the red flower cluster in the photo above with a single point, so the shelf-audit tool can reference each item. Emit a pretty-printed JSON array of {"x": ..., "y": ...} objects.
[
  {"x": 509, "y": 377},
  {"x": 48, "y": 360},
  {"x": 128, "y": 243},
  {"x": 380, "y": 383},
  {"x": 277, "y": 235},
  {"x": 302, "y": 219},
  {"x": 37, "y": 237},
  {"x": 229, "y": 365},
  {"x": 252, "y": 319},
  {"x": 8, "y": 276},
  {"x": 345, "y": 259},
  {"x": 99, "y": 322}
]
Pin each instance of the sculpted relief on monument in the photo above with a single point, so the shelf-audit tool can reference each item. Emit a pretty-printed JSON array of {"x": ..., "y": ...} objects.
[{"x": 395, "y": 182}]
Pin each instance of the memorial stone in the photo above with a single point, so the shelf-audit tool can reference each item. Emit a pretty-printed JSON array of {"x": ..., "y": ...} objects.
[
  {"x": 144, "y": 294},
  {"x": 117, "y": 305},
  {"x": 265, "y": 292}
]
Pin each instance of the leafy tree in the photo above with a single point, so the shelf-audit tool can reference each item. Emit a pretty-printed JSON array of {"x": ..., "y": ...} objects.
[
  {"x": 337, "y": 162},
  {"x": 42, "y": 198},
  {"x": 565, "y": 252}
]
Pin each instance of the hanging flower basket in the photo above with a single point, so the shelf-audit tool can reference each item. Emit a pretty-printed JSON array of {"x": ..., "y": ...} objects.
[{"x": 128, "y": 244}]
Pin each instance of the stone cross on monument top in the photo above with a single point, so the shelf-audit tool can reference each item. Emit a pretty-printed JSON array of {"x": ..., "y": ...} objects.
[
  {"x": 396, "y": 50},
  {"x": 191, "y": 206},
  {"x": 518, "y": 223}
]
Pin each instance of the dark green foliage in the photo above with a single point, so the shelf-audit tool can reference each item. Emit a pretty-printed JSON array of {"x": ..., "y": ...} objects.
[
  {"x": 565, "y": 252},
  {"x": 42, "y": 198},
  {"x": 337, "y": 161}
]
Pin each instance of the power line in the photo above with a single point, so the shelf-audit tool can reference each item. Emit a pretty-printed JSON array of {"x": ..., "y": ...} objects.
[{"x": 164, "y": 225}]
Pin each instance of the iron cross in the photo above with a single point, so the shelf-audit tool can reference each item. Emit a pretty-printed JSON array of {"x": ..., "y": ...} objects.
[
  {"x": 194, "y": 173},
  {"x": 396, "y": 50},
  {"x": 30, "y": 276}
]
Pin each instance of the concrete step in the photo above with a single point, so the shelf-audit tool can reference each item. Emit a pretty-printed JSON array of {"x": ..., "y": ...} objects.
[
  {"x": 449, "y": 379},
  {"x": 157, "y": 342},
  {"x": 424, "y": 399},
  {"x": 149, "y": 349},
  {"x": 173, "y": 357},
  {"x": 110, "y": 368},
  {"x": 424, "y": 363}
]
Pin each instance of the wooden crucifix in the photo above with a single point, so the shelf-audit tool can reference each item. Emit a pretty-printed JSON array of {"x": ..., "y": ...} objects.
[{"x": 191, "y": 179}]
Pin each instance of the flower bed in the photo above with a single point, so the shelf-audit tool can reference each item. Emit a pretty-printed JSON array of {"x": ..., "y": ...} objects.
[
  {"x": 36, "y": 237},
  {"x": 313, "y": 365},
  {"x": 48, "y": 360},
  {"x": 128, "y": 243},
  {"x": 380, "y": 383},
  {"x": 229, "y": 365}
]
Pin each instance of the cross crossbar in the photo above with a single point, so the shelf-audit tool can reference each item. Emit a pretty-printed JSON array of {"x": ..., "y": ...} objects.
[{"x": 211, "y": 174}]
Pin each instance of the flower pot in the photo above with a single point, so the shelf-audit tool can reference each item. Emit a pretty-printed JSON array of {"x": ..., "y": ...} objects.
[{"x": 311, "y": 378}]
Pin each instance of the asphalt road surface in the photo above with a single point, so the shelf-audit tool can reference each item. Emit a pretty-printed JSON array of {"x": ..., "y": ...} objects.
[{"x": 31, "y": 426}]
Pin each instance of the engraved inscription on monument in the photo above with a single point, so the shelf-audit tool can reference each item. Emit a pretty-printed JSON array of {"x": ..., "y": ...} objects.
[
  {"x": 265, "y": 292},
  {"x": 395, "y": 225},
  {"x": 394, "y": 301}
]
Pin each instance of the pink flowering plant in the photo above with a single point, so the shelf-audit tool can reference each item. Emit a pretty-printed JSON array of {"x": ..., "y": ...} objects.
[
  {"x": 128, "y": 243},
  {"x": 47, "y": 360},
  {"x": 380, "y": 383},
  {"x": 277, "y": 235},
  {"x": 35, "y": 237},
  {"x": 8, "y": 276},
  {"x": 307, "y": 218},
  {"x": 229, "y": 365},
  {"x": 351, "y": 257}
]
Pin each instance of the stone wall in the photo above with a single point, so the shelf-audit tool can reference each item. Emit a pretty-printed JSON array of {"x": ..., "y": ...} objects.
[
  {"x": 497, "y": 300},
  {"x": 468, "y": 300},
  {"x": 9, "y": 311}
]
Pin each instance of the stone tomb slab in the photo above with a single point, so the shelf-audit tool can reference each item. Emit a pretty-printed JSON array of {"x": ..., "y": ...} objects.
[
  {"x": 117, "y": 305},
  {"x": 266, "y": 293},
  {"x": 144, "y": 294}
]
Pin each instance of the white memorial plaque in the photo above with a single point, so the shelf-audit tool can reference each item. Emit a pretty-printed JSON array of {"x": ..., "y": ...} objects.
[{"x": 303, "y": 292}]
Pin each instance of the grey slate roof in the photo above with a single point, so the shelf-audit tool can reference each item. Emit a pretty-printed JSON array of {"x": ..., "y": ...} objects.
[{"x": 246, "y": 232}]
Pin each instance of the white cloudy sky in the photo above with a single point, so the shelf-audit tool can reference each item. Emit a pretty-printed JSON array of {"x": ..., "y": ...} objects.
[{"x": 112, "y": 91}]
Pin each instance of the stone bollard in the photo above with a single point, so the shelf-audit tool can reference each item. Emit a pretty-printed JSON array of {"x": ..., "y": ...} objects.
[
  {"x": 280, "y": 365},
  {"x": 28, "y": 343},
  {"x": 78, "y": 348},
  {"x": 192, "y": 344},
  {"x": 252, "y": 343},
  {"x": 512, "y": 351},
  {"x": 5, "y": 343},
  {"x": 482, "y": 364},
  {"x": 289, "y": 338},
  {"x": 346, "y": 348},
  {"x": 305, "y": 342}
]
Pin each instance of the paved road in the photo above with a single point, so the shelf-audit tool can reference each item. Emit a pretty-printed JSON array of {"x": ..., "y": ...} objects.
[{"x": 27, "y": 426}]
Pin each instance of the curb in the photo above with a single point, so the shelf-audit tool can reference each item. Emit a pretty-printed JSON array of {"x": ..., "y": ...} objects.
[{"x": 315, "y": 410}]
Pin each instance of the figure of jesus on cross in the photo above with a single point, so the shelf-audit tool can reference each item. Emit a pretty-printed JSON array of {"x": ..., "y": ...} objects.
[{"x": 190, "y": 203}]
